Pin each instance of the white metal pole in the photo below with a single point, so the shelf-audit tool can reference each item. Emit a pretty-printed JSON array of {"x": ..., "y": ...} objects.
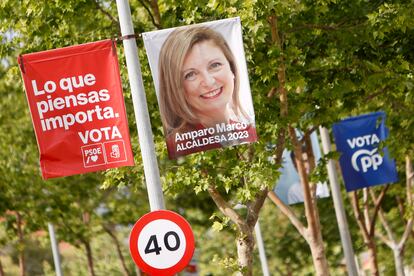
[
  {"x": 55, "y": 249},
  {"x": 339, "y": 206},
  {"x": 146, "y": 142},
  {"x": 261, "y": 248}
]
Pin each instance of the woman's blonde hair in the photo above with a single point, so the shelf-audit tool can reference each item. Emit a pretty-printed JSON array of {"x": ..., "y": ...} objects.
[{"x": 176, "y": 113}]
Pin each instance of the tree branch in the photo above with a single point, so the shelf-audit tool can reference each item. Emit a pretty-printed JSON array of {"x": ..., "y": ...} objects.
[
  {"x": 155, "y": 9},
  {"x": 313, "y": 26},
  {"x": 156, "y": 24},
  {"x": 288, "y": 212},
  {"x": 280, "y": 146},
  {"x": 114, "y": 20},
  {"x": 409, "y": 179},
  {"x": 271, "y": 92},
  {"x": 373, "y": 95},
  {"x": 409, "y": 185},
  {"x": 366, "y": 209},
  {"x": 254, "y": 208},
  {"x": 281, "y": 70},
  {"x": 408, "y": 229},
  {"x": 323, "y": 70},
  {"x": 226, "y": 209},
  {"x": 400, "y": 205},
  {"x": 310, "y": 211},
  {"x": 358, "y": 215},
  {"x": 311, "y": 164},
  {"x": 109, "y": 230},
  {"x": 308, "y": 132},
  {"x": 377, "y": 205},
  {"x": 392, "y": 241},
  {"x": 386, "y": 226},
  {"x": 281, "y": 76},
  {"x": 333, "y": 27},
  {"x": 309, "y": 151},
  {"x": 384, "y": 239}
]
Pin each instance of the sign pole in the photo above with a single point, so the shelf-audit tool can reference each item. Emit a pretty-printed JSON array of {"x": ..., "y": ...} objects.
[
  {"x": 262, "y": 253},
  {"x": 55, "y": 249},
  {"x": 339, "y": 206},
  {"x": 149, "y": 159}
]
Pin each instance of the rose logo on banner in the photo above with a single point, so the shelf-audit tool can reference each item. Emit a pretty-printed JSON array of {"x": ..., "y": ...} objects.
[
  {"x": 362, "y": 163},
  {"x": 77, "y": 108}
]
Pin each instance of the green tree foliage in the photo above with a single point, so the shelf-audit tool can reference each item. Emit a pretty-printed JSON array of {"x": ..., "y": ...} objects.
[{"x": 338, "y": 58}]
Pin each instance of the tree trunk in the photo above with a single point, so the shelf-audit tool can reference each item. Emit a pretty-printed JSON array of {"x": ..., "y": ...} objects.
[
  {"x": 22, "y": 261},
  {"x": 1, "y": 269},
  {"x": 245, "y": 240},
  {"x": 314, "y": 240},
  {"x": 366, "y": 223},
  {"x": 137, "y": 271},
  {"x": 398, "y": 260},
  {"x": 312, "y": 234},
  {"x": 318, "y": 256},
  {"x": 396, "y": 247},
  {"x": 245, "y": 245},
  {"x": 89, "y": 257},
  {"x": 372, "y": 256},
  {"x": 118, "y": 250}
]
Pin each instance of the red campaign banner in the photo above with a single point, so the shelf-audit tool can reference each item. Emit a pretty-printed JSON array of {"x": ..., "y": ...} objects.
[{"x": 77, "y": 108}]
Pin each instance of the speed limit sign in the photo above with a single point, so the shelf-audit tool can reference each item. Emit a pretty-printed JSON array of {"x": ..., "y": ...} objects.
[{"x": 161, "y": 243}]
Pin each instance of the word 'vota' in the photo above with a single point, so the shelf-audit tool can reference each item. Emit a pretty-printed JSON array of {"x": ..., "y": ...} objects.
[
  {"x": 97, "y": 135},
  {"x": 361, "y": 141}
]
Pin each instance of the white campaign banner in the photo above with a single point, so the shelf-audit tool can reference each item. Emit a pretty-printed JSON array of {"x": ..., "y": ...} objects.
[{"x": 202, "y": 85}]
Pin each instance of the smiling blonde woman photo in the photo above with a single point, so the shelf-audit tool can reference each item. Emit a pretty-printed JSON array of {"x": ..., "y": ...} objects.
[{"x": 198, "y": 93}]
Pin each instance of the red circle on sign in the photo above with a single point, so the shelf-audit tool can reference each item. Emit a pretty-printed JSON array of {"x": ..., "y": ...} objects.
[{"x": 178, "y": 221}]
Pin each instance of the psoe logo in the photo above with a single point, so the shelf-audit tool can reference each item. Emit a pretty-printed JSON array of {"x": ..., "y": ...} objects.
[{"x": 366, "y": 159}]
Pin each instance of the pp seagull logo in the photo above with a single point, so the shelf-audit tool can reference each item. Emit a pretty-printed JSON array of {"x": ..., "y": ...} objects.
[{"x": 370, "y": 159}]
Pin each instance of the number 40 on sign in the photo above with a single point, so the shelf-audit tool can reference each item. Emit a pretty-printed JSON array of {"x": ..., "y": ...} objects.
[{"x": 161, "y": 243}]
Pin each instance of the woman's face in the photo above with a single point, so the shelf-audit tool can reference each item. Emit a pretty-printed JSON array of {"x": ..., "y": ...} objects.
[{"x": 207, "y": 78}]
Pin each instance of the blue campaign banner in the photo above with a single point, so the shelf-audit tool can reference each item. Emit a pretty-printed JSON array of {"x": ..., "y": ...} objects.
[{"x": 363, "y": 164}]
